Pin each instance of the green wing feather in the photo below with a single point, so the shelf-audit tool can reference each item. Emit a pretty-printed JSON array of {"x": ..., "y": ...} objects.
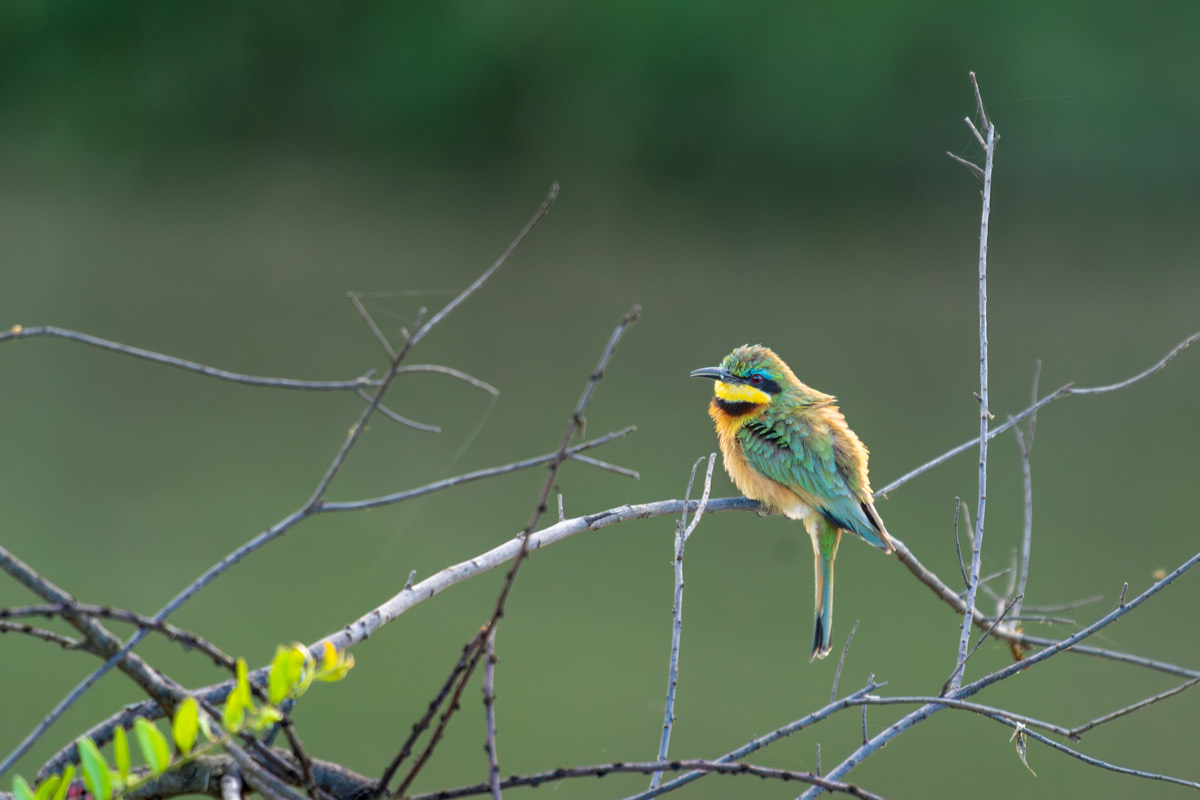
[{"x": 796, "y": 455}]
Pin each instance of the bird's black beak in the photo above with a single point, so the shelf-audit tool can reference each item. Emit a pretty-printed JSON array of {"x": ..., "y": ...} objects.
[{"x": 716, "y": 373}]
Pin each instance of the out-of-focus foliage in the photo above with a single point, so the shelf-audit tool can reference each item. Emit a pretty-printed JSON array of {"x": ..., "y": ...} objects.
[{"x": 700, "y": 95}]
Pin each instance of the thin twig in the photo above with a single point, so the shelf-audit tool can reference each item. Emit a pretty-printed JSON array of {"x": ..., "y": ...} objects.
[
  {"x": 156, "y": 685},
  {"x": 574, "y": 426},
  {"x": 762, "y": 741},
  {"x": 984, "y": 415},
  {"x": 695, "y": 765},
  {"x": 837, "y": 675},
  {"x": 1062, "y": 391},
  {"x": 962, "y": 567},
  {"x": 52, "y": 331},
  {"x": 366, "y": 397},
  {"x": 101, "y": 732},
  {"x": 1068, "y": 606},
  {"x": 967, "y": 690},
  {"x": 310, "y": 507},
  {"x": 1076, "y": 732},
  {"x": 65, "y": 642},
  {"x": 971, "y": 165},
  {"x": 367, "y": 318},
  {"x": 189, "y": 640},
  {"x": 431, "y": 710},
  {"x": 999, "y": 619},
  {"x": 489, "y": 704},
  {"x": 490, "y": 472},
  {"x": 604, "y": 465},
  {"x": 1025, "y": 449},
  {"x": 1096, "y": 762},
  {"x": 682, "y": 532}
]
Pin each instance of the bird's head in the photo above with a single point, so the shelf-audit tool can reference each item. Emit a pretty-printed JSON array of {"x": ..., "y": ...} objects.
[{"x": 751, "y": 375}]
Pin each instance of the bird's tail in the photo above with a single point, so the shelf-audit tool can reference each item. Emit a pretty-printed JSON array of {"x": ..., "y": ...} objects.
[{"x": 825, "y": 545}]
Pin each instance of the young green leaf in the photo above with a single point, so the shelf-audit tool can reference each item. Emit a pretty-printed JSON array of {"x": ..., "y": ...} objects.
[
  {"x": 185, "y": 725},
  {"x": 95, "y": 769},
  {"x": 46, "y": 788},
  {"x": 266, "y": 718},
  {"x": 68, "y": 775},
  {"x": 21, "y": 789},
  {"x": 334, "y": 664},
  {"x": 121, "y": 753},
  {"x": 153, "y": 745}
]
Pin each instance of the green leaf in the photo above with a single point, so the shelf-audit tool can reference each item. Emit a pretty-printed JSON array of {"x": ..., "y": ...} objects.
[
  {"x": 334, "y": 664},
  {"x": 185, "y": 725},
  {"x": 21, "y": 789},
  {"x": 68, "y": 775},
  {"x": 153, "y": 745},
  {"x": 239, "y": 701},
  {"x": 206, "y": 728},
  {"x": 45, "y": 789},
  {"x": 266, "y": 718},
  {"x": 277, "y": 678},
  {"x": 121, "y": 753},
  {"x": 95, "y": 769}
]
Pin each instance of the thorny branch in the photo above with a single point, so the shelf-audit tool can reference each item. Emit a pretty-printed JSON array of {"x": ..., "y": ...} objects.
[
  {"x": 311, "y": 507},
  {"x": 475, "y": 647},
  {"x": 270, "y": 782}
]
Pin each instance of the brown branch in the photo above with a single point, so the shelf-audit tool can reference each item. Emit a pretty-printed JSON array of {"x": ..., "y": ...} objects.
[
  {"x": 649, "y": 767},
  {"x": 574, "y": 426}
]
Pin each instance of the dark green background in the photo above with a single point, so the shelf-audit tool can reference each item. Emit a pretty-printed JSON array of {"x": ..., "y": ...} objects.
[{"x": 208, "y": 180}]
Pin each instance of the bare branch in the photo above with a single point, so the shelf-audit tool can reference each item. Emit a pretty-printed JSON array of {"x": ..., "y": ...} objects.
[
  {"x": 489, "y": 703},
  {"x": 1075, "y": 733},
  {"x": 682, "y": 534},
  {"x": 984, "y": 415},
  {"x": 604, "y": 465},
  {"x": 837, "y": 676},
  {"x": 65, "y": 642},
  {"x": 1062, "y": 391},
  {"x": 698, "y": 766},
  {"x": 538, "y": 216},
  {"x": 367, "y": 318},
  {"x": 310, "y": 507},
  {"x": 574, "y": 426},
  {"x": 104, "y": 643},
  {"x": 967, "y": 690},
  {"x": 971, "y": 165},
  {"x": 760, "y": 742},
  {"x": 394, "y": 417},
  {"x": 22, "y": 332},
  {"x": 490, "y": 472},
  {"x": 1095, "y": 762},
  {"x": 231, "y": 786},
  {"x": 450, "y": 372},
  {"x": 959, "y": 506}
]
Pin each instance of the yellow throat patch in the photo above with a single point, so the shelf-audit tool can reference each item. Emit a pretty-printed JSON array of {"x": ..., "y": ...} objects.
[{"x": 741, "y": 393}]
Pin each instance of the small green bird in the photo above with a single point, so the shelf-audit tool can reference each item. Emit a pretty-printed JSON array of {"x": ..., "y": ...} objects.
[{"x": 788, "y": 446}]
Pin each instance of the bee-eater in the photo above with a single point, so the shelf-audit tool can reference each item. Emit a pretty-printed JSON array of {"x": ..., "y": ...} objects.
[{"x": 787, "y": 446}]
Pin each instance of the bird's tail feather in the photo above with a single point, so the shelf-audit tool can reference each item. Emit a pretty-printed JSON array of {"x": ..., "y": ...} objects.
[{"x": 825, "y": 550}]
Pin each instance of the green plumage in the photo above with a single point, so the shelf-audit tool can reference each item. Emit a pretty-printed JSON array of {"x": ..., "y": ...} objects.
[
  {"x": 787, "y": 445},
  {"x": 792, "y": 444}
]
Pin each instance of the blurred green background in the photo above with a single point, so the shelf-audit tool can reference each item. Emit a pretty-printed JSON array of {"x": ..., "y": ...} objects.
[{"x": 209, "y": 180}]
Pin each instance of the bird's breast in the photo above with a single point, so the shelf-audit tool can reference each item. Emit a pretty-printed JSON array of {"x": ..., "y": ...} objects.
[{"x": 751, "y": 482}]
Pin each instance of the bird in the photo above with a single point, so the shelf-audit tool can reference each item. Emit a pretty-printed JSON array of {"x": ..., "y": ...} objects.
[{"x": 788, "y": 446}]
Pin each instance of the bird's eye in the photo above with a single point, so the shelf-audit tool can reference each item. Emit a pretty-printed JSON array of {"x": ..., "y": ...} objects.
[{"x": 756, "y": 379}]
